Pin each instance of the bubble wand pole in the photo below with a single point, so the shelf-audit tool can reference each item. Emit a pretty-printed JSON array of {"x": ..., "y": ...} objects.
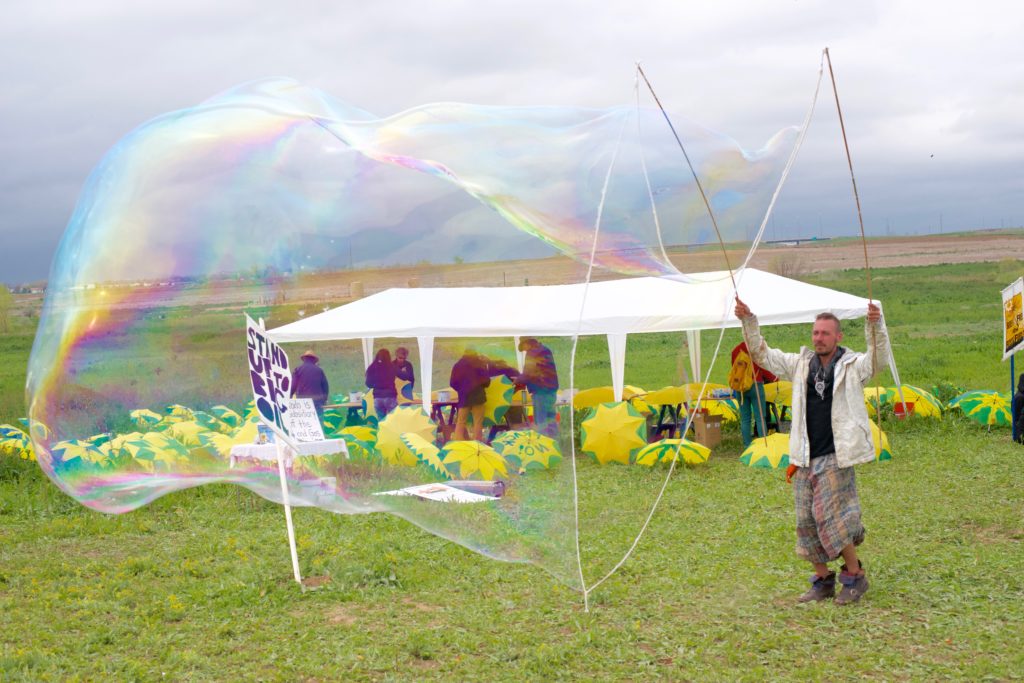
[{"x": 863, "y": 241}]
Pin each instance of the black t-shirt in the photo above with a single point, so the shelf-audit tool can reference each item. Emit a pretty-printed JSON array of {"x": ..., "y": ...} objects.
[{"x": 819, "y": 409}]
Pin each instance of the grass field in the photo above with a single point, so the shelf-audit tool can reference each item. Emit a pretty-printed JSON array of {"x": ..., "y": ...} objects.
[{"x": 198, "y": 584}]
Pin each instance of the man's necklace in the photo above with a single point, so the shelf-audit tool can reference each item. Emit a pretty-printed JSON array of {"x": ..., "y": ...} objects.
[{"x": 819, "y": 382}]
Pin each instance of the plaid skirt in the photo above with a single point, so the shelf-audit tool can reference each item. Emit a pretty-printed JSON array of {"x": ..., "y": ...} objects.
[{"x": 827, "y": 510}]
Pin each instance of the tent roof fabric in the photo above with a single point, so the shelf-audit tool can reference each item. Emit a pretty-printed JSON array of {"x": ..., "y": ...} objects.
[{"x": 646, "y": 304}]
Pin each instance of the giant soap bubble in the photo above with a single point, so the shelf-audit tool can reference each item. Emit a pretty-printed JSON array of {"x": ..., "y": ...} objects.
[{"x": 280, "y": 202}]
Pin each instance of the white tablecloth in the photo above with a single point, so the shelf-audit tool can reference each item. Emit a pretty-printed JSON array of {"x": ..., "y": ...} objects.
[{"x": 268, "y": 451}]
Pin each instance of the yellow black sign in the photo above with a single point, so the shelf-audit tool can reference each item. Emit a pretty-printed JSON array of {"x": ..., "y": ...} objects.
[{"x": 1013, "y": 318}]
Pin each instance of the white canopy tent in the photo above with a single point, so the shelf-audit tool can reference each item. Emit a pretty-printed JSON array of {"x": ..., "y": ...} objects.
[{"x": 613, "y": 308}]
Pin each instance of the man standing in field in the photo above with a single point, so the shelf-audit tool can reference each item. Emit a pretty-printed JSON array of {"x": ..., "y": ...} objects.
[{"x": 830, "y": 434}]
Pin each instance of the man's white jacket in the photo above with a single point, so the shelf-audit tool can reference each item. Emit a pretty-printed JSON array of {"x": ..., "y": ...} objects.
[{"x": 851, "y": 429}]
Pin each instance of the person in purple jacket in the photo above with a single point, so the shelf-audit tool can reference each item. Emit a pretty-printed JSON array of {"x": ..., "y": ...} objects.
[
  {"x": 310, "y": 381},
  {"x": 380, "y": 377}
]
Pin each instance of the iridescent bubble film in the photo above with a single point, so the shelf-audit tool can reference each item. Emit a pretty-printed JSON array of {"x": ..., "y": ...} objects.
[{"x": 280, "y": 202}]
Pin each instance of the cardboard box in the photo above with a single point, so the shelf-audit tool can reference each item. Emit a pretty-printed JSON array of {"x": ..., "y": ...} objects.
[{"x": 707, "y": 429}]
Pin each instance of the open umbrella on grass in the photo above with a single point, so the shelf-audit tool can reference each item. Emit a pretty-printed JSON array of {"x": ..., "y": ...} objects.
[
  {"x": 875, "y": 397},
  {"x": 227, "y": 416},
  {"x": 364, "y": 433},
  {"x": 881, "y": 441},
  {"x": 212, "y": 422},
  {"x": 428, "y": 454},
  {"x": 402, "y": 420},
  {"x": 925, "y": 404},
  {"x": 987, "y": 408},
  {"x": 771, "y": 452},
  {"x": 13, "y": 441},
  {"x": 692, "y": 453},
  {"x": 613, "y": 432},
  {"x": 187, "y": 433},
  {"x": 144, "y": 418},
  {"x": 528, "y": 450},
  {"x": 66, "y": 451},
  {"x": 472, "y": 459}
]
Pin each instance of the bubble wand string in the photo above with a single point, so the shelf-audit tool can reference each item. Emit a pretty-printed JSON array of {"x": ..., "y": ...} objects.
[{"x": 696, "y": 179}]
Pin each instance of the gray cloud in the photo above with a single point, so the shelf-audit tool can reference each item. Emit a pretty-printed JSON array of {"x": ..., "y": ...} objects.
[{"x": 932, "y": 92}]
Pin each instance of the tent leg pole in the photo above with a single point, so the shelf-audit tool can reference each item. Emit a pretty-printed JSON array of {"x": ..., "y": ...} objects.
[{"x": 288, "y": 513}]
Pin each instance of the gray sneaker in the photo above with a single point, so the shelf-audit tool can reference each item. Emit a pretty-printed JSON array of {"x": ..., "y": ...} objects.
[
  {"x": 822, "y": 588},
  {"x": 854, "y": 586}
]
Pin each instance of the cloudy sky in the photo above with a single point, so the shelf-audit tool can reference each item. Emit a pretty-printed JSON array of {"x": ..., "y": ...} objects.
[{"x": 932, "y": 92}]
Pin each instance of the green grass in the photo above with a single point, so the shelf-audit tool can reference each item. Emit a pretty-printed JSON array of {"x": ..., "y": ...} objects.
[{"x": 197, "y": 585}]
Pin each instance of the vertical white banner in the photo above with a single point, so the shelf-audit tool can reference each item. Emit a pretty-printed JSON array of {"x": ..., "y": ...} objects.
[
  {"x": 269, "y": 373},
  {"x": 1013, "y": 318}
]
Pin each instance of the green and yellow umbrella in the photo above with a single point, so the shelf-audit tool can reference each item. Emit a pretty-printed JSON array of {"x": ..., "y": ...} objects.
[
  {"x": 771, "y": 452},
  {"x": 167, "y": 453},
  {"x": 178, "y": 411},
  {"x": 499, "y": 400},
  {"x": 925, "y": 404},
  {"x": 364, "y": 433},
  {"x": 227, "y": 416},
  {"x": 613, "y": 432},
  {"x": 881, "y": 441},
  {"x": 333, "y": 421},
  {"x": 402, "y": 420},
  {"x": 128, "y": 444},
  {"x": 693, "y": 453},
  {"x": 877, "y": 396},
  {"x": 987, "y": 408},
  {"x": 16, "y": 442},
  {"x": 726, "y": 407},
  {"x": 472, "y": 459},
  {"x": 427, "y": 453},
  {"x": 692, "y": 390},
  {"x": 780, "y": 393},
  {"x": 213, "y": 445},
  {"x": 212, "y": 422},
  {"x": 358, "y": 450},
  {"x": 66, "y": 451},
  {"x": 247, "y": 433},
  {"x": 144, "y": 418},
  {"x": 251, "y": 412},
  {"x": 527, "y": 450},
  {"x": 187, "y": 433}
]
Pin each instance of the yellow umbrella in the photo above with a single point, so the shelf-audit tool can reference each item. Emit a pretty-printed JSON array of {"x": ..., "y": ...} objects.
[
  {"x": 167, "y": 454},
  {"x": 402, "y": 420},
  {"x": 499, "y": 399},
  {"x": 726, "y": 407},
  {"x": 591, "y": 398},
  {"x": 364, "y": 433},
  {"x": 925, "y": 404},
  {"x": 144, "y": 418},
  {"x": 613, "y": 432},
  {"x": 528, "y": 450},
  {"x": 227, "y": 416},
  {"x": 780, "y": 393},
  {"x": 467, "y": 459},
  {"x": 247, "y": 433},
  {"x": 188, "y": 433},
  {"x": 877, "y": 396},
  {"x": 881, "y": 441},
  {"x": 770, "y": 452},
  {"x": 692, "y": 390},
  {"x": 75, "y": 448},
  {"x": 693, "y": 453},
  {"x": 427, "y": 453}
]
